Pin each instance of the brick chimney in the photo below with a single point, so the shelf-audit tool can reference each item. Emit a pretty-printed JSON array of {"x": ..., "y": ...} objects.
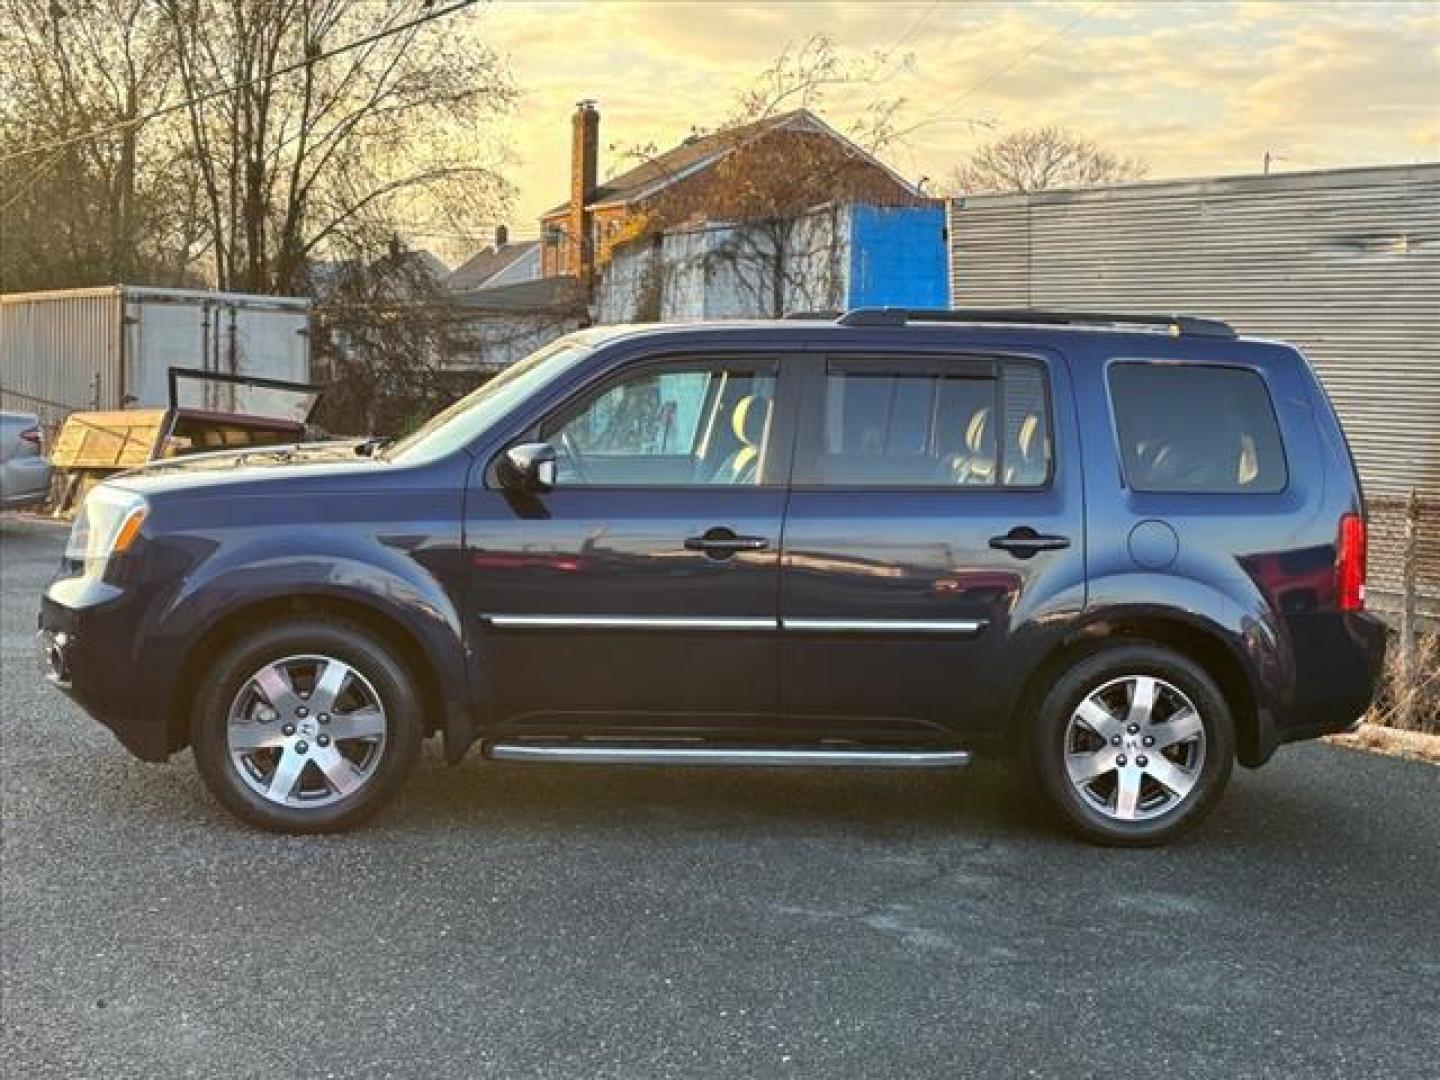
[{"x": 584, "y": 158}]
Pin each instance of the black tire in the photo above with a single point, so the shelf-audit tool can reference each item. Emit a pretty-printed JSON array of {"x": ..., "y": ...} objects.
[
  {"x": 354, "y": 646},
  {"x": 1049, "y": 728}
]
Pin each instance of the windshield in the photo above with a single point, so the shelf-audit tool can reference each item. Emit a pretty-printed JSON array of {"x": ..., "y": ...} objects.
[{"x": 460, "y": 423}]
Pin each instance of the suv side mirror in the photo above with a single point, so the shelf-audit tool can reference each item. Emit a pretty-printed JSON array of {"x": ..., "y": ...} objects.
[{"x": 528, "y": 468}]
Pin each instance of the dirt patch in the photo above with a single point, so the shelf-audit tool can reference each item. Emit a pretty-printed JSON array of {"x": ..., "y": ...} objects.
[{"x": 1416, "y": 745}]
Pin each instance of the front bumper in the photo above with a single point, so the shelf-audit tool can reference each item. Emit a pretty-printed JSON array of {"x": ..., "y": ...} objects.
[{"x": 87, "y": 638}]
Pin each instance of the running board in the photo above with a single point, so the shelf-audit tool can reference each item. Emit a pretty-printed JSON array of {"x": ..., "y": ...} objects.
[{"x": 829, "y": 757}]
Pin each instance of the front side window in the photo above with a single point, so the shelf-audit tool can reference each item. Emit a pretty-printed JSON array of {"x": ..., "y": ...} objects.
[
  {"x": 1196, "y": 428},
  {"x": 685, "y": 425},
  {"x": 948, "y": 425}
]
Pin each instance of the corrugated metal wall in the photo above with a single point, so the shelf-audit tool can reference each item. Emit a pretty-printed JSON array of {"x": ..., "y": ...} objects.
[
  {"x": 90, "y": 348},
  {"x": 1344, "y": 264},
  {"x": 60, "y": 351}
]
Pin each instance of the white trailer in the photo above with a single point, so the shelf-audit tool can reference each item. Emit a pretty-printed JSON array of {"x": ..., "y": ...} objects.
[{"x": 112, "y": 347}]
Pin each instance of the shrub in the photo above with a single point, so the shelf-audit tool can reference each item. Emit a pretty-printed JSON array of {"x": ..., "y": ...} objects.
[{"x": 1410, "y": 693}]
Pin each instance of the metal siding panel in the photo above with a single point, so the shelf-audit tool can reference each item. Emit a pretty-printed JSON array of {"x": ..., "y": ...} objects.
[
  {"x": 59, "y": 352},
  {"x": 73, "y": 349},
  {"x": 1345, "y": 265}
]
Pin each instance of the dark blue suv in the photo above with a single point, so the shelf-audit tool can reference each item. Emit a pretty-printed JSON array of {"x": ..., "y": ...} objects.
[{"x": 1122, "y": 551}]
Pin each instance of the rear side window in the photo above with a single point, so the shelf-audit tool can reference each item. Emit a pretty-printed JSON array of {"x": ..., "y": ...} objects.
[
  {"x": 1196, "y": 427},
  {"x": 945, "y": 424}
]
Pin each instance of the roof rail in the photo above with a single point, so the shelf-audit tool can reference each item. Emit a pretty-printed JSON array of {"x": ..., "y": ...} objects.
[{"x": 1174, "y": 325}]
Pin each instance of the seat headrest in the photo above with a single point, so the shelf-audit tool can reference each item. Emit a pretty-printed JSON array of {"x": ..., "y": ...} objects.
[
  {"x": 1026, "y": 435},
  {"x": 977, "y": 429},
  {"x": 749, "y": 418}
]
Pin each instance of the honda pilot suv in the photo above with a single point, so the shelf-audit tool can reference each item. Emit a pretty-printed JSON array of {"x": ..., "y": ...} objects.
[{"x": 1122, "y": 552}]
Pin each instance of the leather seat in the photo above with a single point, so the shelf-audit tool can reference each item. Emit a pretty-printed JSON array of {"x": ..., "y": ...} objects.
[{"x": 976, "y": 465}]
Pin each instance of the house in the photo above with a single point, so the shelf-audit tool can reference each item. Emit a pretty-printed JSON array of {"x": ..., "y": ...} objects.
[
  {"x": 832, "y": 258},
  {"x": 508, "y": 322},
  {"x": 779, "y": 166},
  {"x": 1344, "y": 263},
  {"x": 502, "y": 263}
]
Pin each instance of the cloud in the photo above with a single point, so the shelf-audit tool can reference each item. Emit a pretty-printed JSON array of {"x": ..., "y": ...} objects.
[{"x": 1196, "y": 89}]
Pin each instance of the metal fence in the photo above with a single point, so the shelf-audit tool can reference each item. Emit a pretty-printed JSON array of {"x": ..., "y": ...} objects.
[{"x": 1404, "y": 577}]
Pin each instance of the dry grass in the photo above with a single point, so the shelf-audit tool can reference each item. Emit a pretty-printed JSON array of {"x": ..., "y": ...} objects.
[
  {"x": 1405, "y": 720},
  {"x": 1386, "y": 740},
  {"x": 1410, "y": 694}
]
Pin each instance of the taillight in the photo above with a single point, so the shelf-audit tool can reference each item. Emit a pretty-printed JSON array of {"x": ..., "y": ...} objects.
[
  {"x": 1350, "y": 564},
  {"x": 32, "y": 436}
]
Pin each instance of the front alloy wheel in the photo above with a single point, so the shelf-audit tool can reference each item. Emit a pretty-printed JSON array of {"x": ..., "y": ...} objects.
[
  {"x": 306, "y": 731},
  {"x": 307, "y": 725}
]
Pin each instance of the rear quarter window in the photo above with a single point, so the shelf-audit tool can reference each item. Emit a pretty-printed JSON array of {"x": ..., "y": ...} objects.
[{"x": 1196, "y": 428}]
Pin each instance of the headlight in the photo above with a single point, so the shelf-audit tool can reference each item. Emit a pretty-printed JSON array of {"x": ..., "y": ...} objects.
[{"x": 106, "y": 525}]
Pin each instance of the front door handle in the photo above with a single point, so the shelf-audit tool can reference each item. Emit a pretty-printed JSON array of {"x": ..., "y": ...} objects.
[
  {"x": 1024, "y": 542},
  {"x": 721, "y": 543}
]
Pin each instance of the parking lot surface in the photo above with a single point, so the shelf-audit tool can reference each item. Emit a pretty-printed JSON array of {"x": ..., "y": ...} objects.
[{"x": 542, "y": 921}]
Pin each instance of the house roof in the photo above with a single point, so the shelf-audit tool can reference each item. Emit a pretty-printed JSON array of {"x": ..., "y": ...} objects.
[
  {"x": 541, "y": 294},
  {"x": 486, "y": 264},
  {"x": 699, "y": 153}
]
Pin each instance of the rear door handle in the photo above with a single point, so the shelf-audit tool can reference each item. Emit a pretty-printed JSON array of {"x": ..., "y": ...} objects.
[
  {"x": 1024, "y": 542},
  {"x": 721, "y": 543}
]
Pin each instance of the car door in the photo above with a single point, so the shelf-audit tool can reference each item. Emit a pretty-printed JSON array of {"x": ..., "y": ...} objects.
[
  {"x": 641, "y": 591},
  {"x": 933, "y": 531}
]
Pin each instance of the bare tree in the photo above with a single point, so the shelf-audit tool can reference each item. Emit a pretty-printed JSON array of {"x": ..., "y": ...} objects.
[
  {"x": 780, "y": 182},
  {"x": 292, "y": 165},
  {"x": 386, "y": 339},
  {"x": 395, "y": 346},
  {"x": 89, "y": 210},
  {"x": 1039, "y": 159},
  {"x": 286, "y": 145}
]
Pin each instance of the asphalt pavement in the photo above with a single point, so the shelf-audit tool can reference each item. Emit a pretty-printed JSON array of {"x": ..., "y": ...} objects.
[{"x": 524, "y": 921}]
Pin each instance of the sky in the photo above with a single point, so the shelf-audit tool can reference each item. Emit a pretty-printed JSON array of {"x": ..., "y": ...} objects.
[{"x": 1194, "y": 89}]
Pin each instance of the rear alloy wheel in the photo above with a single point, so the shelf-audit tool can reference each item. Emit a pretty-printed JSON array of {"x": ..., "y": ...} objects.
[
  {"x": 306, "y": 727},
  {"x": 1134, "y": 748},
  {"x": 1133, "y": 745}
]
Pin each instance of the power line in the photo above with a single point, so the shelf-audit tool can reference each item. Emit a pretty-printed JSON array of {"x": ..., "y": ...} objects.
[
  {"x": 887, "y": 68},
  {"x": 176, "y": 106},
  {"x": 23, "y": 188},
  {"x": 938, "y": 115}
]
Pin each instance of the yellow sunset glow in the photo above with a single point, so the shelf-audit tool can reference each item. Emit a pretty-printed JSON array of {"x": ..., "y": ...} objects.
[{"x": 1192, "y": 88}]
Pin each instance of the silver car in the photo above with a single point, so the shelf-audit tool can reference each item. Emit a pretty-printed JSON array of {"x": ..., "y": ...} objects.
[{"x": 24, "y": 472}]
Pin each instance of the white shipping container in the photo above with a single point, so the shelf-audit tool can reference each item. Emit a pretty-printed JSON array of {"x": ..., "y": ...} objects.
[{"x": 103, "y": 348}]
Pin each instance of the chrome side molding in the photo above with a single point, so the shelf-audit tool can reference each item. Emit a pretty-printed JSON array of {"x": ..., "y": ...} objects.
[
  {"x": 638, "y": 754},
  {"x": 628, "y": 622},
  {"x": 728, "y": 622},
  {"x": 884, "y": 626}
]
